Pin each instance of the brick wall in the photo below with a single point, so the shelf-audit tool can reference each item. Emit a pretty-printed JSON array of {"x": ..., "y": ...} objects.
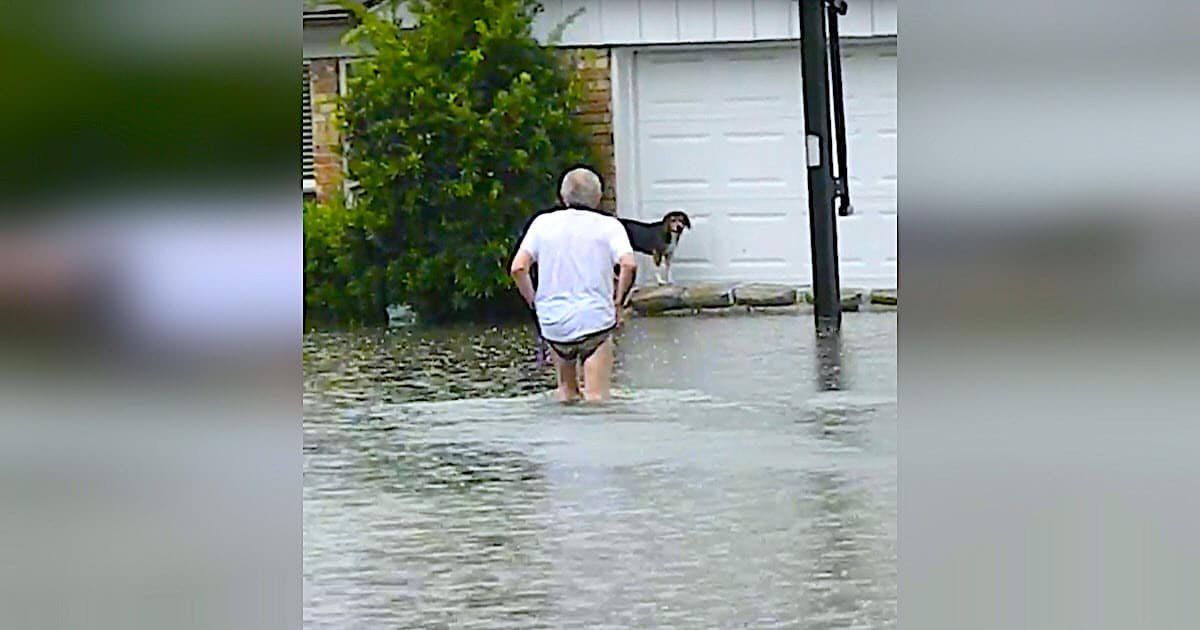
[
  {"x": 593, "y": 66},
  {"x": 327, "y": 158}
]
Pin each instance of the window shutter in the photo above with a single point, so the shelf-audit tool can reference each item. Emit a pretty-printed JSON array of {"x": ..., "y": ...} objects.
[{"x": 307, "y": 169}]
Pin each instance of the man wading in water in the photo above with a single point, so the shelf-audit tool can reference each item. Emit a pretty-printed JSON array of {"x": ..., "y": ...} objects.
[{"x": 575, "y": 250}]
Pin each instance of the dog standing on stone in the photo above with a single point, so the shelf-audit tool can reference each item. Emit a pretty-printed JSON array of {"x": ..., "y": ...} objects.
[{"x": 658, "y": 239}]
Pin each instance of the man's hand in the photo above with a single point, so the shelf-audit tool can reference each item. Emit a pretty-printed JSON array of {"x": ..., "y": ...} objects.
[{"x": 628, "y": 267}]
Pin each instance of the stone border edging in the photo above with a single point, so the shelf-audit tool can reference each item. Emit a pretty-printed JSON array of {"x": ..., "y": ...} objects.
[{"x": 725, "y": 298}]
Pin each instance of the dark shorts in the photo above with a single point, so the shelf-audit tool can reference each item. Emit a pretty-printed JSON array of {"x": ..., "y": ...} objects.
[{"x": 581, "y": 348}]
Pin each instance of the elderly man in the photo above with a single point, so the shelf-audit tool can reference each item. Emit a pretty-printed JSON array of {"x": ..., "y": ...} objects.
[{"x": 575, "y": 250}]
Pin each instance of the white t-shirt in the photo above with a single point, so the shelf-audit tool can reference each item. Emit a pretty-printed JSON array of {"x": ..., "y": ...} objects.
[{"x": 575, "y": 251}]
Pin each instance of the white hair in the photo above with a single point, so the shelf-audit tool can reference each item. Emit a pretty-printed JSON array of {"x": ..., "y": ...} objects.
[{"x": 581, "y": 187}]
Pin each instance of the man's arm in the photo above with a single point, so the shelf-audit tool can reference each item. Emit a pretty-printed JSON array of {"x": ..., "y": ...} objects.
[
  {"x": 521, "y": 264},
  {"x": 625, "y": 280},
  {"x": 622, "y": 253},
  {"x": 523, "y": 261}
]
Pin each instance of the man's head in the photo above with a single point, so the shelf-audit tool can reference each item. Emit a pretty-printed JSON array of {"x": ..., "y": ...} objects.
[{"x": 581, "y": 187}]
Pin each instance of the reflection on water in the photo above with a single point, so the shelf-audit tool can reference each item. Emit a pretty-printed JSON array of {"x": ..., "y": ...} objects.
[{"x": 723, "y": 487}]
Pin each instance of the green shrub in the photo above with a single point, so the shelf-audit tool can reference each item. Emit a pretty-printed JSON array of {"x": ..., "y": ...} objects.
[
  {"x": 342, "y": 278},
  {"x": 456, "y": 131}
]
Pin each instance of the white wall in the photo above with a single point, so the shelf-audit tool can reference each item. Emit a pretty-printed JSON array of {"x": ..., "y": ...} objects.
[
  {"x": 626, "y": 22},
  {"x": 324, "y": 40}
]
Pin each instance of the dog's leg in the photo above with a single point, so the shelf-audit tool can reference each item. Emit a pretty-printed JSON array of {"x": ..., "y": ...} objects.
[
  {"x": 657, "y": 268},
  {"x": 667, "y": 267}
]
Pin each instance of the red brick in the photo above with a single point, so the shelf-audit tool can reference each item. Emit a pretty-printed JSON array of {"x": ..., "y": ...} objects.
[
  {"x": 593, "y": 118},
  {"x": 327, "y": 162},
  {"x": 595, "y": 111}
]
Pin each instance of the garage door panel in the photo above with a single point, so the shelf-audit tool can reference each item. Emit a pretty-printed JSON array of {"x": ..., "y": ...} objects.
[
  {"x": 665, "y": 88},
  {"x": 675, "y": 108},
  {"x": 871, "y": 142},
  {"x": 758, "y": 83},
  {"x": 869, "y": 78},
  {"x": 855, "y": 244},
  {"x": 872, "y": 206},
  {"x": 742, "y": 107},
  {"x": 868, "y": 105},
  {"x": 887, "y": 241},
  {"x": 761, "y": 66},
  {"x": 760, "y": 244},
  {"x": 883, "y": 188},
  {"x": 873, "y": 203},
  {"x": 867, "y": 181},
  {"x": 713, "y": 160},
  {"x": 762, "y": 159},
  {"x": 865, "y": 251},
  {"x": 867, "y": 123},
  {"x": 677, "y": 159}
]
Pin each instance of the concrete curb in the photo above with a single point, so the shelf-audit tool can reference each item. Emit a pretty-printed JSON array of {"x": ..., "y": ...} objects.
[{"x": 717, "y": 299}]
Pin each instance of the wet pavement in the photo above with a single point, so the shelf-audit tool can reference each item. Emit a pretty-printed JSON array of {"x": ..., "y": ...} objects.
[{"x": 723, "y": 487}]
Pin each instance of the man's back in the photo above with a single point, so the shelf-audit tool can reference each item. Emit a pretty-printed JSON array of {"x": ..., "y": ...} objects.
[{"x": 575, "y": 251}]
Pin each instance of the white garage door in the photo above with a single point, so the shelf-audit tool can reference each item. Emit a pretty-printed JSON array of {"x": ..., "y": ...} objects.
[{"x": 720, "y": 134}]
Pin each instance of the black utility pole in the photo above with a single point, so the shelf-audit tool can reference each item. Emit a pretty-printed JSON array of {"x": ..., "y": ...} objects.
[{"x": 823, "y": 188}]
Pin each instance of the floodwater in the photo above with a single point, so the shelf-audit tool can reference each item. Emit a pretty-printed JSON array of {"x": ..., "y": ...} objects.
[{"x": 725, "y": 486}]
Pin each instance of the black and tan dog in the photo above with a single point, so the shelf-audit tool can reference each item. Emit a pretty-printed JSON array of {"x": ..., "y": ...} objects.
[{"x": 658, "y": 239}]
